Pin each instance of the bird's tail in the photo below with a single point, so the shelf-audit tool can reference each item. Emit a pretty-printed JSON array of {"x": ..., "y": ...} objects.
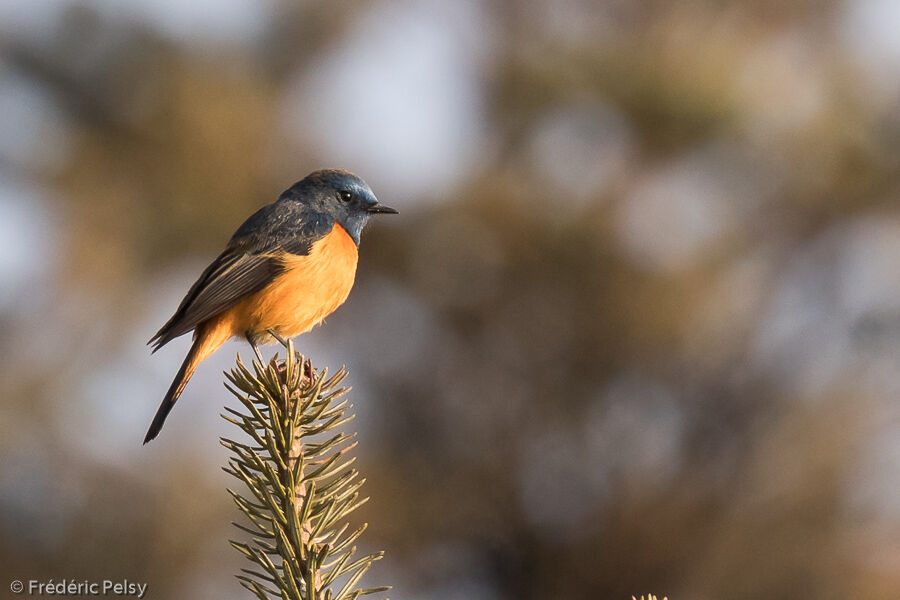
[{"x": 204, "y": 345}]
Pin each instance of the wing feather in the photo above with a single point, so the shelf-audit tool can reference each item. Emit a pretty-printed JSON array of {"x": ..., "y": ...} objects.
[
  {"x": 230, "y": 278},
  {"x": 246, "y": 266}
]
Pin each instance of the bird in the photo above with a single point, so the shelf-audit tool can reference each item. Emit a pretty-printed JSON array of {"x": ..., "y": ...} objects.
[{"x": 286, "y": 268}]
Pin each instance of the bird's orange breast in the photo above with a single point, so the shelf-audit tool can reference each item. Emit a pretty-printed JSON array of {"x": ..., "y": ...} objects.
[{"x": 309, "y": 289}]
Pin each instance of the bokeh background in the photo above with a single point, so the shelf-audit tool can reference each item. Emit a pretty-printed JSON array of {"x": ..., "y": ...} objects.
[{"x": 636, "y": 329}]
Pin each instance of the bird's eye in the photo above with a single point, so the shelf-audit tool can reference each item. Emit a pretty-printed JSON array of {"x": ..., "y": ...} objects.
[{"x": 346, "y": 196}]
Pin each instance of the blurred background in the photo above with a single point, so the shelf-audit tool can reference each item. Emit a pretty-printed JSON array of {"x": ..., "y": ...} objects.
[{"x": 636, "y": 329}]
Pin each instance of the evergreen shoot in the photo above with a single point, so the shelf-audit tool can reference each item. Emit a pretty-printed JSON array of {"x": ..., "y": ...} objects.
[{"x": 302, "y": 487}]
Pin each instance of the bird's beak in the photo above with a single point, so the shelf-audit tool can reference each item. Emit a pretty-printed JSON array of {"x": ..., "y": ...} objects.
[{"x": 381, "y": 208}]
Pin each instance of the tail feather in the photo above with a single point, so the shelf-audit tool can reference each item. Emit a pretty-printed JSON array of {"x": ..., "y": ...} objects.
[
  {"x": 206, "y": 341},
  {"x": 184, "y": 374},
  {"x": 208, "y": 337}
]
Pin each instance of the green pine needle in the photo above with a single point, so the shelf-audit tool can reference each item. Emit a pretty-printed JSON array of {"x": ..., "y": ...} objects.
[{"x": 301, "y": 485}]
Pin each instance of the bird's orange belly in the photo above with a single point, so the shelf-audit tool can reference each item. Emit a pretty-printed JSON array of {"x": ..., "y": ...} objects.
[{"x": 310, "y": 288}]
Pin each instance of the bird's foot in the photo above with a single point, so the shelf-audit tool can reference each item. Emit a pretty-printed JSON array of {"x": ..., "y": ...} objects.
[
  {"x": 277, "y": 337},
  {"x": 252, "y": 341}
]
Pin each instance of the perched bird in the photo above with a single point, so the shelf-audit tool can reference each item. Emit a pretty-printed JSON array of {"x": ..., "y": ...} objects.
[{"x": 291, "y": 264}]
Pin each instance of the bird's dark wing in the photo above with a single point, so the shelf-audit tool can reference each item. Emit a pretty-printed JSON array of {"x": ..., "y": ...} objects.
[{"x": 249, "y": 263}]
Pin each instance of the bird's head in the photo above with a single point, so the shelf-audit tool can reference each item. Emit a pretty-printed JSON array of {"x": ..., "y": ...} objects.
[{"x": 340, "y": 194}]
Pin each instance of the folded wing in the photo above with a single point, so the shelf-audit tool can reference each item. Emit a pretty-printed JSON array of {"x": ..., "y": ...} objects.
[
  {"x": 230, "y": 277},
  {"x": 246, "y": 266}
]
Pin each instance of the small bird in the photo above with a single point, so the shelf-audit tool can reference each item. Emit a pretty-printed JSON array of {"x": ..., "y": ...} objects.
[{"x": 290, "y": 265}]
